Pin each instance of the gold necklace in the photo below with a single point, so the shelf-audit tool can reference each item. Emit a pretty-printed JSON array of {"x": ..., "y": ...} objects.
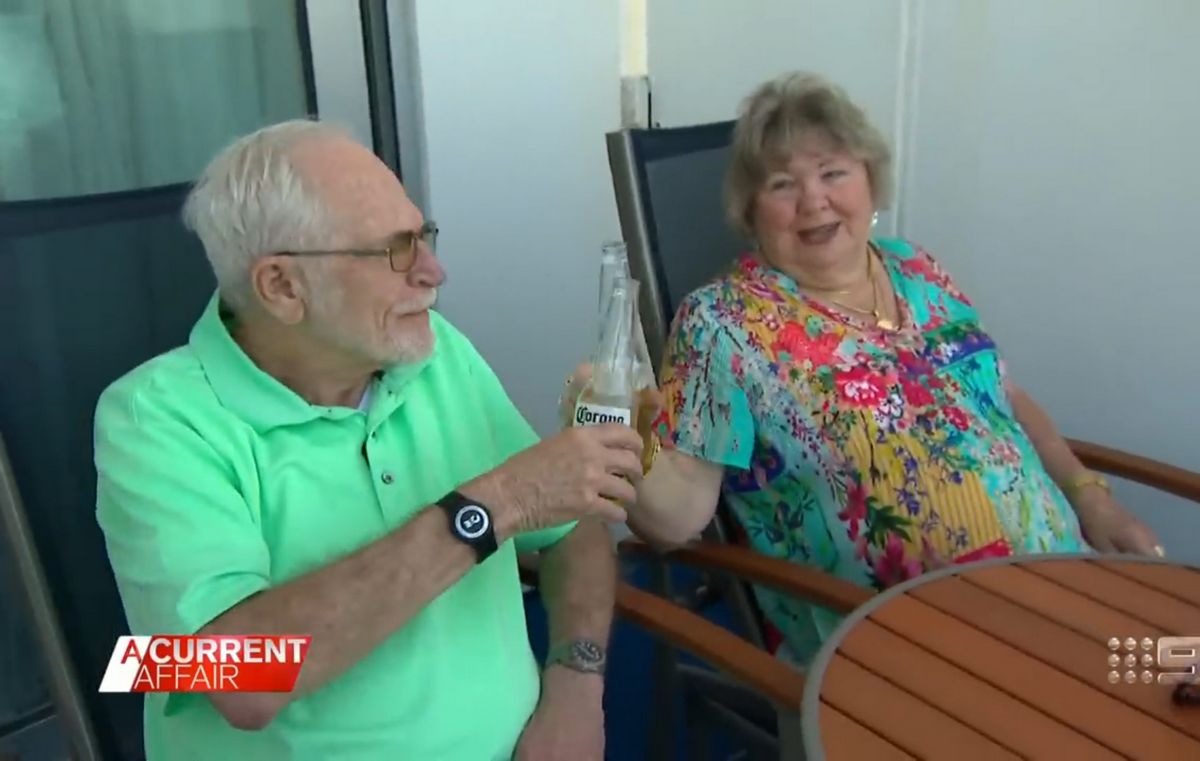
[
  {"x": 881, "y": 322},
  {"x": 834, "y": 291}
]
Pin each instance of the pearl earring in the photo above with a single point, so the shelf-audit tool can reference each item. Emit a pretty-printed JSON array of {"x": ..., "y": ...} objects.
[{"x": 874, "y": 219}]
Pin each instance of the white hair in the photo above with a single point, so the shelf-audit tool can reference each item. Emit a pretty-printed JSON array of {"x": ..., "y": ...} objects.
[{"x": 250, "y": 202}]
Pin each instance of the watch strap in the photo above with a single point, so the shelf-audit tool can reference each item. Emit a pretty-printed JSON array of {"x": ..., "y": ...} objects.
[{"x": 471, "y": 524}]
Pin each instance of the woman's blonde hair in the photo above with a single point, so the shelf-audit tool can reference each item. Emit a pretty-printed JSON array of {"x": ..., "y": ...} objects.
[{"x": 775, "y": 116}]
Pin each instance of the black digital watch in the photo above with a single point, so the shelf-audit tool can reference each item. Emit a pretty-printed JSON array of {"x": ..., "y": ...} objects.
[{"x": 470, "y": 523}]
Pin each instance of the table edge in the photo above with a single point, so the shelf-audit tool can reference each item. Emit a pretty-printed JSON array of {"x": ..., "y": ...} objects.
[{"x": 814, "y": 676}]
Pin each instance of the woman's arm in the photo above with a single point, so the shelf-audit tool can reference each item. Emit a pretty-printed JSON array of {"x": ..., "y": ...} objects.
[
  {"x": 676, "y": 499},
  {"x": 1106, "y": 525},
  {"x": 1061, "y": 463}
]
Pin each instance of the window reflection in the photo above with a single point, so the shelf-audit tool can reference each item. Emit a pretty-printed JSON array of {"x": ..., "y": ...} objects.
[{"x": 99, "y": 96}]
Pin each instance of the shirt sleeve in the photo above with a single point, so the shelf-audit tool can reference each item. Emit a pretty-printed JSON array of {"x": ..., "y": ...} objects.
[
  {"x": 924, "y": 270},
  {"x": 511, "y": 433},
  {"x": 183, "y": 543},
  {"x": 705, "y": 410}
]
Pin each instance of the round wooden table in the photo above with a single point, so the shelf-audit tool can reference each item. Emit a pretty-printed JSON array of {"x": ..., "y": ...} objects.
[{"x": 1008, "y": 658}]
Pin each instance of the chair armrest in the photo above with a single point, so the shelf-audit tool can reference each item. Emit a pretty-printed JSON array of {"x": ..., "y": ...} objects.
[
  {"x": 1143, "y": 470},
  {"x": 791, "y": 578},
  {"x": 712, "y": 644}
]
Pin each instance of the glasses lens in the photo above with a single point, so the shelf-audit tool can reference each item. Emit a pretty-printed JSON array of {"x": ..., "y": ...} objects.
[{"x": 403, "y": 252}]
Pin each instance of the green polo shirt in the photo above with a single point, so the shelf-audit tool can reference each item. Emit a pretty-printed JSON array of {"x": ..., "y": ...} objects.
[{"x": 216, "y": 482}]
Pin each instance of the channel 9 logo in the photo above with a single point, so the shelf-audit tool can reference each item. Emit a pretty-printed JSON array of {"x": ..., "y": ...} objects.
[{"x": 1174, "y": 658}]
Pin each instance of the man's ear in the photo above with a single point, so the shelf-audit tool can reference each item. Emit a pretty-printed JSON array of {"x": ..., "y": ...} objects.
[{"x": 279, "y": 284}]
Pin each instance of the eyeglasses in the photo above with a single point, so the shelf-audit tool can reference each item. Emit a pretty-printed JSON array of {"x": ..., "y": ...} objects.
[{"x": 401, "y": 251}]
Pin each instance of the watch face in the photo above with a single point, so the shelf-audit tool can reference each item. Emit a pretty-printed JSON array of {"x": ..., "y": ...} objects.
[
  {"x": 581, "y": 655},
  {"x": 471, "y": 521},
  {"x": 588, "y": 652}
]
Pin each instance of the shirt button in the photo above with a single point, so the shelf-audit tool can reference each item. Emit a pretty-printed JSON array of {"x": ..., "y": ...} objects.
[{"x": 387, "y": 478}]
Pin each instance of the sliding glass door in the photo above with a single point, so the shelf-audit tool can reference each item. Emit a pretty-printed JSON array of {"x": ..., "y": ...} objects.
[{"x": 108, "y": 108}]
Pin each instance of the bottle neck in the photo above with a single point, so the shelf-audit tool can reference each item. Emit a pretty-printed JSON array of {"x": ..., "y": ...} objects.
[{"x": 612, "y": 370}]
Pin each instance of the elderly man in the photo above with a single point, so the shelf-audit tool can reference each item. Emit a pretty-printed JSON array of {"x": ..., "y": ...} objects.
[{"x": 329, "y": 456}]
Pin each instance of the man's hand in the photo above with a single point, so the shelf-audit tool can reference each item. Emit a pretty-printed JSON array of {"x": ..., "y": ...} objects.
[
  {"x": 1108, "y": 527},
  {"x": 649, "y": 405},
  {"x": 569, "y": 721},
  {"x": 585, "y": 472}
]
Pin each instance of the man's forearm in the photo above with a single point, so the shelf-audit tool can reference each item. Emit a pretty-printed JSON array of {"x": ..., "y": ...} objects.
[
  {"x": 348, "y": 607},
  {"x": 578, "y": 584},
  {"x": 578, "y": 579}
]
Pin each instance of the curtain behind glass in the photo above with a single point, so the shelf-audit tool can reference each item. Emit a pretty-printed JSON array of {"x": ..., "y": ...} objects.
[{"x": 107, "y": 95}]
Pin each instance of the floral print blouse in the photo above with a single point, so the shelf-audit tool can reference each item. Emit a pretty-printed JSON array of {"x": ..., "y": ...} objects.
[{"x": 873, "y": 456}]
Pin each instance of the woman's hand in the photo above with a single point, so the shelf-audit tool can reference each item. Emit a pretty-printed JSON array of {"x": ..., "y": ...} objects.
[{"x": 1108, "y": 527}]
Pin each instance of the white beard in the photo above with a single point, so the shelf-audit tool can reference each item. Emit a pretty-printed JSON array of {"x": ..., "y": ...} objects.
[{"x": 329, "y": 322}]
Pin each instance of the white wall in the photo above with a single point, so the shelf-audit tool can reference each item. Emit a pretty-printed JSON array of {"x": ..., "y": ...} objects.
[
  {"x": 517, "y": 98},
  {"x": 1048, "y": 165}
]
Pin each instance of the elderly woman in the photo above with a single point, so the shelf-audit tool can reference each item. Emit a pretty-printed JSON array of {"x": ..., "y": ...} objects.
[{"x": 841, "y": 391}]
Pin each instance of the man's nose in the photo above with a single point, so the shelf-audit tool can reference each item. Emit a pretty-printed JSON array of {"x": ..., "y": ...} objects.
[{"x": 426, "y": 271}]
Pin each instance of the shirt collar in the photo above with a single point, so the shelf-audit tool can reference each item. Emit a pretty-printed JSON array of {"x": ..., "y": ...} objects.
[
  {"x": 755, "y": 269},
  {"x": 258, "y": 397}
]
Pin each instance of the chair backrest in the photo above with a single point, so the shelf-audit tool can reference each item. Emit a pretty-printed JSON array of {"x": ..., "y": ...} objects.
[
  {"x": 92, "y": 287},
  {"x": 668, "y": 191},
  {"x": 38, "y": 670},
  {"x": 669, "y": 199}
]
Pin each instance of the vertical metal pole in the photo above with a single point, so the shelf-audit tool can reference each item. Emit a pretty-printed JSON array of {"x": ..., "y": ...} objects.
[
  {"x": 791, "y": 743},
  {"x": 410, "y": 107},
  {"x": 377, "y": 52}
]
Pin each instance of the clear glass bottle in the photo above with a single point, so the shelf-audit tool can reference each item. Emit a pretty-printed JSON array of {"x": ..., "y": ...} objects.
[
  {"x": 614, "y": 266},
  {"x": 610, "y": 396},
  {"x": 614, "y": 263},
  {"x": 636, "y": 371}
]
